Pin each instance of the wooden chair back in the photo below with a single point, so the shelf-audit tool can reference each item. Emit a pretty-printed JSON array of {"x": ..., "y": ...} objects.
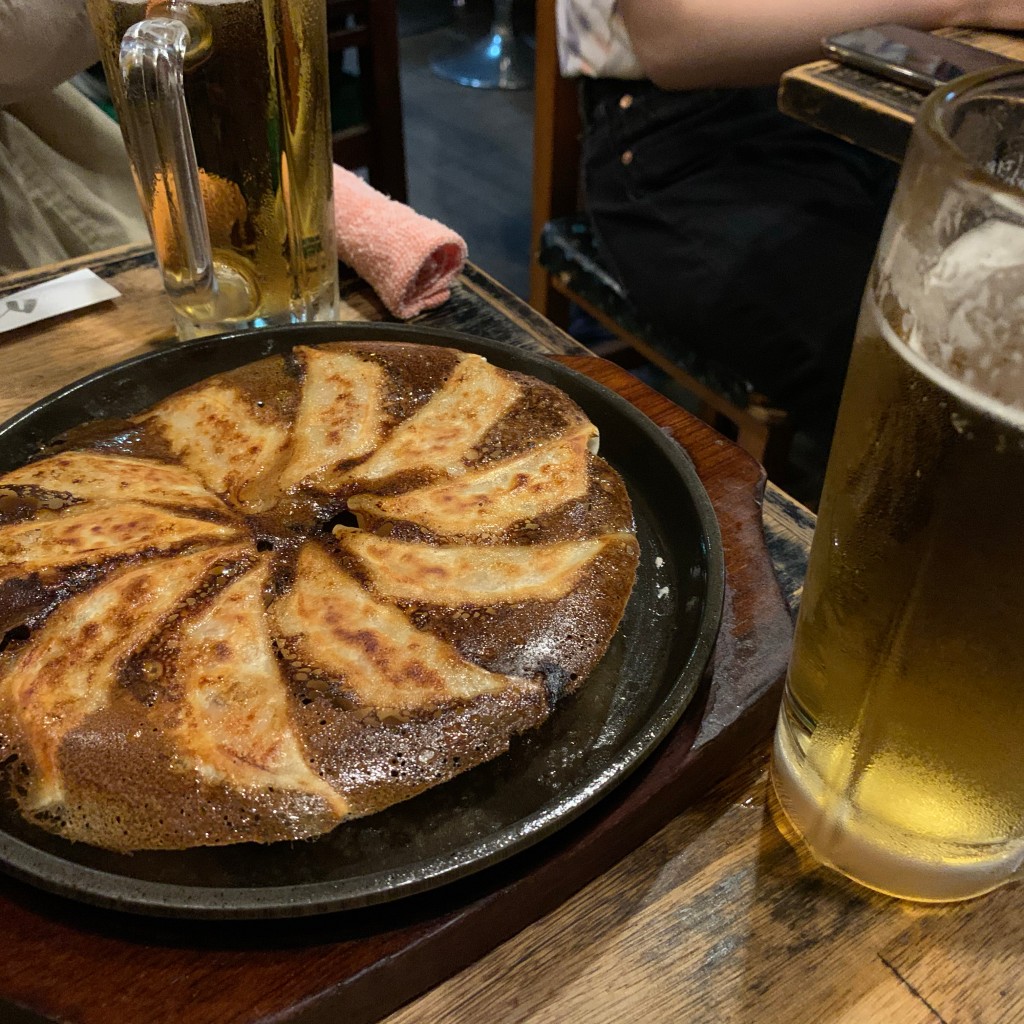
[{"x": 369, "y": 133}]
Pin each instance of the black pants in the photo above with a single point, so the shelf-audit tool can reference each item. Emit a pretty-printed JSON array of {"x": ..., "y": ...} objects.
[{"x": 737, "y": 230}]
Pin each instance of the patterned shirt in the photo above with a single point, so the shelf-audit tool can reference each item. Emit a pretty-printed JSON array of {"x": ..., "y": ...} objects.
[{"x": 592, "y": 40}]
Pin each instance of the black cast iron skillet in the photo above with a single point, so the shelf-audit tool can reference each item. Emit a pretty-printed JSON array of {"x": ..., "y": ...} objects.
[{"x": 592, "y": 742}]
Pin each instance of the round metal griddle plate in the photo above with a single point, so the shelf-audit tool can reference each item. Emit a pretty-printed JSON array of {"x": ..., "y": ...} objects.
[{"x": 592, "y": 741}]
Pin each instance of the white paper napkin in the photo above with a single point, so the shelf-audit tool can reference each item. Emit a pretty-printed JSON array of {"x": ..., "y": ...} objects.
[{"x": 61, "y": 295}]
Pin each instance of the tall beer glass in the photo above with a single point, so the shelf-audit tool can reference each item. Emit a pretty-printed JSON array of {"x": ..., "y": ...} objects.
[
  {"x": 224, "y": 107},
  {"x": 898, "y": 750}
]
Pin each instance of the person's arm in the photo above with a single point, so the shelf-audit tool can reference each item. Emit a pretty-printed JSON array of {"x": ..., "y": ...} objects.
[
  {"x": 696, "y": 44},
  {"x": 42, "y": 43}
]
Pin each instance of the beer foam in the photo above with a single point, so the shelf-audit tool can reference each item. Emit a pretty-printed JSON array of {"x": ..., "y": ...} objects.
[
  {"x": 966, "y": 320},
  {"x": 987, "y": 405}
]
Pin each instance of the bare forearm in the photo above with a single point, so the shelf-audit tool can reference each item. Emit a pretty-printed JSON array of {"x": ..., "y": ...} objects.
[{"x": 691, "y": 44}]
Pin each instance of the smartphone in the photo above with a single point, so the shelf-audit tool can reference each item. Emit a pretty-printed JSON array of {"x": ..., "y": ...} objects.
[{"x": 913, "y": 58}]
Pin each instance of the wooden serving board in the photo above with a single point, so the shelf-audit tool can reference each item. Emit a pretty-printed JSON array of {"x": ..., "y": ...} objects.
[{"x": 61, "y": 960}]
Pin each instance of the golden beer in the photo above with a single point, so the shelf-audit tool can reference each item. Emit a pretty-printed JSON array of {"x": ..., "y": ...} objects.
[
  {"x": 904, "y": 708},
  {"x": 256, "y": 91},
  {"x": 897, "y": 754}
]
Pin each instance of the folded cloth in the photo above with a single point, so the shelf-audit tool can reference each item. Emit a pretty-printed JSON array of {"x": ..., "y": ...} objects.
[{"x": 410, "y": 260}]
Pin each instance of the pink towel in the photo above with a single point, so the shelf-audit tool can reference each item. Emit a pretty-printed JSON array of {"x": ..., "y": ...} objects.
[{"x": 409, "y": 260}]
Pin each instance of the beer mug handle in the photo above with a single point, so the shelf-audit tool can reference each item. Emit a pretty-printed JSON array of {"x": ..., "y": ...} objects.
[{"x": 156, "y": 123}]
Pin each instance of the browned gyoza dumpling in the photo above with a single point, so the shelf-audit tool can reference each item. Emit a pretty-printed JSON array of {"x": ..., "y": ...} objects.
[{"x": 299, "y": 592}]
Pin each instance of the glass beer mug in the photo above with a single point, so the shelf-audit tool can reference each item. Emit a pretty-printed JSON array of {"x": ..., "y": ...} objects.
[
  {"x": 897, "y": 753},
  {"x": 224, "y": 107}
]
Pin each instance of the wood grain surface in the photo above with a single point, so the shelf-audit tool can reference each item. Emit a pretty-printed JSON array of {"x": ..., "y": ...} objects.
[{"x": 719, "y": 918}]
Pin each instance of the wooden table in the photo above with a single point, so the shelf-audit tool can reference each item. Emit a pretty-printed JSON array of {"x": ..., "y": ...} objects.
[
  {"x": 716, "y": 916},
  {"x": 865, "y": 109}
]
